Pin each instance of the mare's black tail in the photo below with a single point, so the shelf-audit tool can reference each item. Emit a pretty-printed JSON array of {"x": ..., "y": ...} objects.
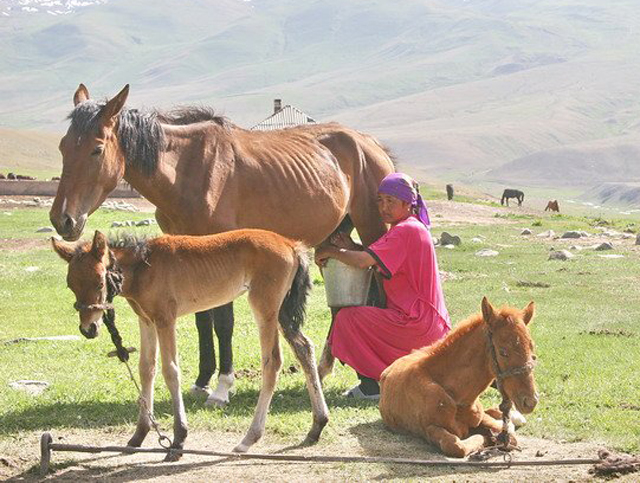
[{"x": 293, "y": 309}]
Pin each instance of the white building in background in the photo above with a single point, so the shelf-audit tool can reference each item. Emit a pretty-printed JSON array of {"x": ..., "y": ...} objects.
[{"x": 283, "y": 117}]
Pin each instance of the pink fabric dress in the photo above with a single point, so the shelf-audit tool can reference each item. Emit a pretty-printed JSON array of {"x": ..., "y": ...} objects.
[{"x": 369, "y": 339}]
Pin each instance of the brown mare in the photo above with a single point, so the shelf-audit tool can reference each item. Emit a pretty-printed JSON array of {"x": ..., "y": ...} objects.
[
  {"x": 205, "y": 175},
  {"x": 434, "y": 392},
  {"x": 552, "y": 206},
  {"x": 170, "y": 276}
]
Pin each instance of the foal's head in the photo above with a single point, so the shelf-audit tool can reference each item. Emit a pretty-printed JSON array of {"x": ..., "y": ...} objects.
[
  {"x": 509, "y": 340},
  {"x": 92, "y": 162},
  {"x": 86, "y": 277}
]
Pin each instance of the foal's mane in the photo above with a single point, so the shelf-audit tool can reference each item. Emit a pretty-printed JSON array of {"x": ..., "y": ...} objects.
[
  {"x": 136, "y": 245},
  {"x": 139, "y": 132},
  {"x": 509, "y": 314}
]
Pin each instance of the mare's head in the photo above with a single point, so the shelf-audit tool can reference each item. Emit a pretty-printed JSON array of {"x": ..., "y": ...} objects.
[
  {"x": 92, "y": 162},
  {"x": 86, "y": 277},
  {"x": 511, "y": 343}
]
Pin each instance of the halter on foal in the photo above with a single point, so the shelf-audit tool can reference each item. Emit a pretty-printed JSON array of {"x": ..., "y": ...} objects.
[
  {"x": 434, "y": 392},
  {"x": 170, "y": 276}
]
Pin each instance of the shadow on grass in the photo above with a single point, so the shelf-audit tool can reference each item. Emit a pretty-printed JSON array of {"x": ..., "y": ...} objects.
[{"x": 96, "y": 414}]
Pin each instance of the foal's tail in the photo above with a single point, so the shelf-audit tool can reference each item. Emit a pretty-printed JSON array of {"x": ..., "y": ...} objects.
[{"x": 294, "y": 305}]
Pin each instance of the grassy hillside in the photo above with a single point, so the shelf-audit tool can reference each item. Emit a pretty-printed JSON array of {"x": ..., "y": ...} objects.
[
  {"x": 456, "y": 88},
  {"x": 29, "y": 152}
]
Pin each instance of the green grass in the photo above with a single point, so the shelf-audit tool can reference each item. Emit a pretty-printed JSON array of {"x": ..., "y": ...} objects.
[{"x": 585, "y": 329}]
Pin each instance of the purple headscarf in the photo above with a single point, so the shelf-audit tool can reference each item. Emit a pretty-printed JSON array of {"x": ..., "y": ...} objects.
[{"x": 406, "y": 189}]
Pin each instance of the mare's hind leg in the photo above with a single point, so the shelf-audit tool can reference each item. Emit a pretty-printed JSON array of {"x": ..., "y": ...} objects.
[
  {"x": 171, "y": 372},
  {"x": 223, "y": 323},
  {"x": 147, "y": 371},
  {"x": 204, "y": 323},
  {"x": 303, "y": 349},
  {"x": 452, "y": 445}
]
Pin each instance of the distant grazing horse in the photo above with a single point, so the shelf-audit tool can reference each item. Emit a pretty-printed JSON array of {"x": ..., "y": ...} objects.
[
  {"x": 206, "y": 175},
  {"x": 510, "y": 193},
  {"x": 552, "y": 206},
  {"x": 170, "y": 276},
  {"x": 434, "y": 392},
  {"x": 449, "y": 192}
]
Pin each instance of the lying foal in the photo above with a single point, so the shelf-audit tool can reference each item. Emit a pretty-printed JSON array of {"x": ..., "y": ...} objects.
[
  {"x": 170, "y": 276},
  {"x": 433, "y": 392}
]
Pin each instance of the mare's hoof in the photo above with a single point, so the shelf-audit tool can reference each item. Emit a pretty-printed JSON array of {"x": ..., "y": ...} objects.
[
  {"x": 200, "y": 391},
  {"x": 172, "y": 456},
  {"x": 216, "y": 402}
]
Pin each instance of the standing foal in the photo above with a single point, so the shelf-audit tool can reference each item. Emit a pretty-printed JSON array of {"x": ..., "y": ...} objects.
[{"x": 170, "y": 276}]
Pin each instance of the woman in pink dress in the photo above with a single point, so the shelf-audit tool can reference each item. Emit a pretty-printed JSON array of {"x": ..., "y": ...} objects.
[{"x": 369, "y": 339}]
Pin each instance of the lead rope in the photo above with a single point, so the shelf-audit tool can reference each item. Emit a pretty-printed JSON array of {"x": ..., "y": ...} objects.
[
  {"x": 114, "y": 281},
  {"x": 503, "y": 444}
]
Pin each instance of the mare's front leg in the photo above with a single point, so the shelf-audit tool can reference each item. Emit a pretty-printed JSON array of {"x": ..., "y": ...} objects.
[
  {"x": 171, "y": 373},
  {"x": 223, "y": 323},
  {"x": 207, "y": 352},
  {"x": 147, "y": 370}
]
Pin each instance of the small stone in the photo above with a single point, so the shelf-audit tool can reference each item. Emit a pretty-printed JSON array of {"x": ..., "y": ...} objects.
[
  {"x": 575, "y": 247},
  {"x": 35, "y": 388},
  {"x": 447, "y": 239},
  {"x": 116, "y": 224},
  {"x": 485, "y": 252},
  {"x": 546, "y": 234},
  {"x": 638, "y": 239},
  {"x": 604, "y": 246},
  {"x": 526, "y": 231},
  {"x": 477, "y": 240},
  {"x": 560, "y": 255},
  {"x": 571, "y": 234},
  {"x": 44, "y": 229},
  {"x": 31, "y": 269},
  {"x": 449, "y": 247}
]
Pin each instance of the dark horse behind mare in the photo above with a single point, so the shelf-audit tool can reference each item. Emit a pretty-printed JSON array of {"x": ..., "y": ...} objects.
[
  {"x": 206, "y": 175},
  {"x": 511, "y": 193}
]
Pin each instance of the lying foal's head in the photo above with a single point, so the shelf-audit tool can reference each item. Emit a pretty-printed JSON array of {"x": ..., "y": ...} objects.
[
  {"x": 86, "y": 277},
  {"x": 510, "y": 341}
]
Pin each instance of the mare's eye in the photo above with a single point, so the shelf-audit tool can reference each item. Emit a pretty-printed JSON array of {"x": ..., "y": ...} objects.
[
  {"x": 534, "y": 357},
  {"x": 504, "y": 353},
  {"x": 97, "y": 151}
]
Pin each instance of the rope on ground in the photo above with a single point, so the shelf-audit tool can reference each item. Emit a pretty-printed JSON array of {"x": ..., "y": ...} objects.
[{"x": 614, "y": 465}]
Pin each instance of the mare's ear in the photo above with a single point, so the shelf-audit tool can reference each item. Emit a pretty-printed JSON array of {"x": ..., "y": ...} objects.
[
  {"x": 112, "y": 108},
  {"x": 527, "y": 313},
  {"x": 488, "y": 312},
  {"x": 65, "y": 250},
  {"x": 81, "y": 95},
  {"x": 99, "y": 248}
]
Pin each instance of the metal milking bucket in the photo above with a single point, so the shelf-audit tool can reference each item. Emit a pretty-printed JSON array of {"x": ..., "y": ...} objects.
[{"x": 344, "y": 285}]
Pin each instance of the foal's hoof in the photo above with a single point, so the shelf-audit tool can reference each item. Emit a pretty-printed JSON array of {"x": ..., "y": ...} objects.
[
  {"x": 517, "y": 418},
  {"x": 200, "y": 391},
  {"x": 216, "y": 402},
  {"x": 172, "y": 456},
  {"x": 241, "y": 448}
]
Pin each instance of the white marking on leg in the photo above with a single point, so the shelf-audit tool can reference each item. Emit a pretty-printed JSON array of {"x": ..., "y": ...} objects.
[
  {"x": 220, "y": 396},
  {"x": 517, "y": 418}
]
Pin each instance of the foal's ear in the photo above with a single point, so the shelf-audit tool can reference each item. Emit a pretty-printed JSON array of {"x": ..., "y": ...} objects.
[
  {"x": 81, "y": 95},
  {"x": 527, "y": 313},
  {"x": 113, "y": 107},
  {"x": 488, "y": 312},
  {"x": 99, "y": 248},
  {"x": 65, "y": 250}
]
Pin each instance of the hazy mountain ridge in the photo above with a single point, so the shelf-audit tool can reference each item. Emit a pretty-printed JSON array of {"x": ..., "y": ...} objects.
[{"x": 458, "y": 89}]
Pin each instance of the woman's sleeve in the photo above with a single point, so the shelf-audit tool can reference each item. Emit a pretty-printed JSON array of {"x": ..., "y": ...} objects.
[{"x": 389, "y": 252}]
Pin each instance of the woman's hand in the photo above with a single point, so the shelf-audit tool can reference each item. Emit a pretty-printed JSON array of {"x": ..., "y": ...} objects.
[
  {"x": 342, "y": 240},
  {"x": 323, "y": 254}
]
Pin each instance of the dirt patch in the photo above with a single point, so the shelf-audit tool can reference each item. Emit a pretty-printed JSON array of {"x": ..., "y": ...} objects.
[
  {"x": 446, "y": 213},
  {"x": 23, "y": 244},
  {"x": 365, "y": 439}
]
